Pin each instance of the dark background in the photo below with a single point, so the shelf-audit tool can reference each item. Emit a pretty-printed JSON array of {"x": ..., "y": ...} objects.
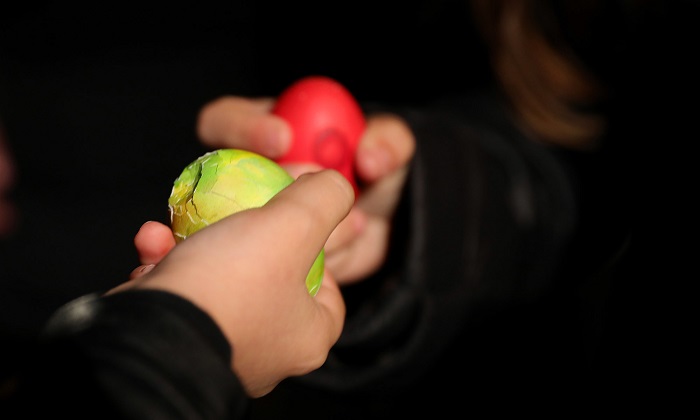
[{"x": 100, "y": 103}]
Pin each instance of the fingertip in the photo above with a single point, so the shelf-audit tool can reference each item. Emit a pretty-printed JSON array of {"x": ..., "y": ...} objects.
[
  {"x": 330, "y": 177},
  {"x": 153, "y": 241},
  {"x": 298, "y": 169},
  {"x": 275, "y": 137},
  {"x": 206, "y": 125},
  {"x": 345, "y": 187},
  {"x": 151, "y": 228},
  {"x": 373, "y": 163},
  {"x": 388, "y": 144},
  {"x": 147, "y": 223}
]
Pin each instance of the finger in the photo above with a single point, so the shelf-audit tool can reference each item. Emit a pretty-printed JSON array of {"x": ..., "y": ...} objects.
[
  {"x": 243, "y": 123},
  {"x": 140, "y": 271},
  {"x": 362, "y": 257},
  {"x": 332, "y": 305},
  {"x": 347, "y": 231},
  {"x": 381, "y": 197},
  {"x": 300, "y": 217},
  {"x": 311, "y": 207},
  {"x": 153, "y": 241},
  {"x": 298, "y": 169},
  {"x": 133, "y": 281},
  {"x": 388, "y": 144}
]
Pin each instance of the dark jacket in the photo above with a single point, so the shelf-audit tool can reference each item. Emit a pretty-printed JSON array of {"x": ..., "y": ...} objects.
[
  {"x": 132, "y": 355},
  {"x": 460, "y": 307},
  {"x": 475, "y": 301}
]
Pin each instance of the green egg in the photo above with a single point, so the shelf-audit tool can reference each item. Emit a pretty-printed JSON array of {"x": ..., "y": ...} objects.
[{"x": 224, "y": 182}]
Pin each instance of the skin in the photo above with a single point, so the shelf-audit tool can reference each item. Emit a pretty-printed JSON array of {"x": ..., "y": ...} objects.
[
  {"x": 276, "y": 328},
  {"x": 355, "y": 239},
  {"x": 358, "y": 246},
  {"x": 246, "y": 297}
]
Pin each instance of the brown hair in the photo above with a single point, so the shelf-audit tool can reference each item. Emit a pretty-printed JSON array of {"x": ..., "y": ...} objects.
[{"x": 549, "y": 88}]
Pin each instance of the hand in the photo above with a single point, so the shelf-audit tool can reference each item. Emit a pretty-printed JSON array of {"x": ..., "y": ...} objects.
[
  {"x": 248, "y": 272},
  {"x": 359, "y": 245}
]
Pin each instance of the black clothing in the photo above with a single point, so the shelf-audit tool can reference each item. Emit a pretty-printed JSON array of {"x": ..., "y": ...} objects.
[
  {"x": 478, "y": 242},
  {"x": 520, "y": 279},
  {"x": 136, "y": 355},
  {"x": 463, "y": 307}
]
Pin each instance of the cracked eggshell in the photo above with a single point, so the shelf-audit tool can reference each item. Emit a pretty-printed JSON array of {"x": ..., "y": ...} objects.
[{"x": 224, "y": 182}]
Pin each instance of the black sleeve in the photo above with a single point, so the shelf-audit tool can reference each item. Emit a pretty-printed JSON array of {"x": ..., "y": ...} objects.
[
  {"x": 136, "y": 355},
  {"x": 484, "y": 218}
]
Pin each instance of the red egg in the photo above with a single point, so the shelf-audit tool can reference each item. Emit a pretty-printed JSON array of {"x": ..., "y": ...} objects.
[{"x": 326, "y": 123}]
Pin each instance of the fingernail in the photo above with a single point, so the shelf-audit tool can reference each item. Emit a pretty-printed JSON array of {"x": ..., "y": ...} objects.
[
  {"x": 298, "y": 169},
  {"x": 146, "y": 268}
]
